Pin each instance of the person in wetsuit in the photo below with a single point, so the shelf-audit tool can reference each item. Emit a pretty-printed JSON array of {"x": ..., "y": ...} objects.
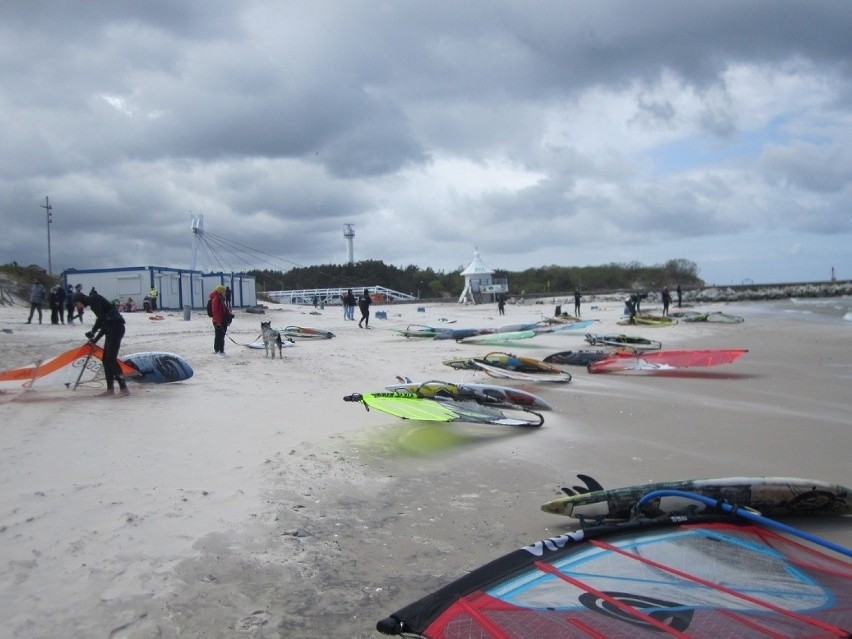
[{"x": 108, "y": 324}]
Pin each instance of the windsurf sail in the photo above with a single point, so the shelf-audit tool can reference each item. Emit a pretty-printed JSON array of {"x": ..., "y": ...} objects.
[
  {"x": 498, "y": 337},
  {"x": 684, "y": 576},
  {"x": 662, "y": 360},
  {"x": 565, "y": 327},
  {"x": 411, "y": 406},
  {"x": 74, "y": 367},
  {"x": 488, "y": 394}
]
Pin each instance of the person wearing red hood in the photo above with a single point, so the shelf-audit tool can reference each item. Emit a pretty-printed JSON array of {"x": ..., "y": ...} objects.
[{"x": 222, "y": 317}]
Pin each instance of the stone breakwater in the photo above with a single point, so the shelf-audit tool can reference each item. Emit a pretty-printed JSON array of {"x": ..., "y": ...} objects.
[
  {"x": 710, "y": 294},
  {"x": 754, "y": 292}
]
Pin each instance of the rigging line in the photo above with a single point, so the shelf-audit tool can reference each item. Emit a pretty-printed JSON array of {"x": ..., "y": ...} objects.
[
  {"x": 227, "y": 246},
  {"x": 630, "y": 610},
  {"x": 721, "y": 588},
  {"x": 296, "y": 264},
  {"x": 213, "y": 254},
  {"x": 256, "y": 250}
]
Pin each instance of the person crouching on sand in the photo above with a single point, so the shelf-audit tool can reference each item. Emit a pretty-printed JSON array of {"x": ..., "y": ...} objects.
[{"x": 110, "y": 324}]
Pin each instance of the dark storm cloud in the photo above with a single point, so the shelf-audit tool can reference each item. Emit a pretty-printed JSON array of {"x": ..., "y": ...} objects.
[{"x": 472, "y": 122}]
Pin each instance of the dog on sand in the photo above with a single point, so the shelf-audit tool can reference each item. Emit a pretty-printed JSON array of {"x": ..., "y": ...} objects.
[{"x": 271, "y": 339}]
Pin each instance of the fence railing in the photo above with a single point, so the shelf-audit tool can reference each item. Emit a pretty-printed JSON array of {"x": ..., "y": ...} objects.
[{"x": 327, "y": 296}]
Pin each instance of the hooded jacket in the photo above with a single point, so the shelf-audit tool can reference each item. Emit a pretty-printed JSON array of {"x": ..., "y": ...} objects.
[{"x": 220, "y": 309}]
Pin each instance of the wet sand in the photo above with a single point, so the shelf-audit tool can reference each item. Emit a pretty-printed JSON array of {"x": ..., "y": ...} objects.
[{"x": 251, "y": 501}]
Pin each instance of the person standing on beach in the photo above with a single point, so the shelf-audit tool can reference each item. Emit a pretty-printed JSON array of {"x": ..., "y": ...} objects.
[
  {"x": 108, "y": 324},
  {"x": 78, "y": 288},
  {"x": 667, "y": 300},
  {"x": 349, "y": 303},
  {"x": 364, "y": 307},
  {"x": 55, "y": 304},
  {"x": 679, "y": 295},
  {"x": 36, "y": 300},
  {"x": 153, "y": 294},
  {"x": 69, "y": 304},
  {"x": 60, "y": 303},
  {"x": 221, "y": 319},
  {"x": 577, "y": 298},
  {"x": 501, "y": 304}
]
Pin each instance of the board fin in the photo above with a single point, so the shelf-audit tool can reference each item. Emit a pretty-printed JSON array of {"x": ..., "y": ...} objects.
[{"x": 591, "y": 482}]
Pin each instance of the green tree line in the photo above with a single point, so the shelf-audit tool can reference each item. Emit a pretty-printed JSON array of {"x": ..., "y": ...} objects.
[{"x": 546, "y": 280}]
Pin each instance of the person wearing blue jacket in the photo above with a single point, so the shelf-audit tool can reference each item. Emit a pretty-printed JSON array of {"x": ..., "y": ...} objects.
[{"x": 110, "y": 324}]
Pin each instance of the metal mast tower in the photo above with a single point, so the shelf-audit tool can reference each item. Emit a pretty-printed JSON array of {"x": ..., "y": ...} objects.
[
  {"x": 197, "y": 230},
  {"x": 349, "y": 234},
  {"x": 49, "y": 210}
]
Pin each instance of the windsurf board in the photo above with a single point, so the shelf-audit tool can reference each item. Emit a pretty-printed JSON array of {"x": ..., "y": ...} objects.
[
  {"x": 159, "y": 368},
  {"x": 772, "y": 496}
]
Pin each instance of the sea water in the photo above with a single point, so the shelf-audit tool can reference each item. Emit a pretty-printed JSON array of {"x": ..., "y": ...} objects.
[{"x": 836, "y": 311}]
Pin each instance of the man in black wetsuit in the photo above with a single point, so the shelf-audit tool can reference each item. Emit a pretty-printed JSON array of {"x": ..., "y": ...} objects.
[{"x": 110, "y": 325}]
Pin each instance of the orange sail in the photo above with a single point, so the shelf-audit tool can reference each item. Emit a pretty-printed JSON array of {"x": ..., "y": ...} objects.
[{"x": 79, "y": 365}]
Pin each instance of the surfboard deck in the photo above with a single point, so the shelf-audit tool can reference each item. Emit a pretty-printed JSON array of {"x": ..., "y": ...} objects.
[
  {"x": 159, "y": 367},
  {"x": 624, "y": 341},
  {"x": 772, "y": 496}
]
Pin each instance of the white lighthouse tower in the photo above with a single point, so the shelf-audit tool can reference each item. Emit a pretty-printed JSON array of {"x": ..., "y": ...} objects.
[{"x": 349, "y": 234}]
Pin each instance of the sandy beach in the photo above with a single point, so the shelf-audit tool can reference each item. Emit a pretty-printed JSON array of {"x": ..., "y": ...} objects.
[{"x": 251, "y": 501}]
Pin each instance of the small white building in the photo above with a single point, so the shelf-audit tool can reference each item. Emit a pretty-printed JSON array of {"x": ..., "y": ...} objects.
[
  {"x": 479, "y": 285},
  {"x": 177, "y": 288}
]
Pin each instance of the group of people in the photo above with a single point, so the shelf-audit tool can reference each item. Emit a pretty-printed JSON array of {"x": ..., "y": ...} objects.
[
  {"x": 632, "y": 303},
  {"x": 363, "y": 303},
  {"x": 60, "y": 302}
]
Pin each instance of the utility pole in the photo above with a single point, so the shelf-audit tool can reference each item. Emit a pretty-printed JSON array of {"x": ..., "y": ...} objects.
[{"x": 49, "y": 210}]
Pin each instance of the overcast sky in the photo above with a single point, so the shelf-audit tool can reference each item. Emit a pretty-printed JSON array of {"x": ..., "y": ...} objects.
[{"x": 569, "y": 133}]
